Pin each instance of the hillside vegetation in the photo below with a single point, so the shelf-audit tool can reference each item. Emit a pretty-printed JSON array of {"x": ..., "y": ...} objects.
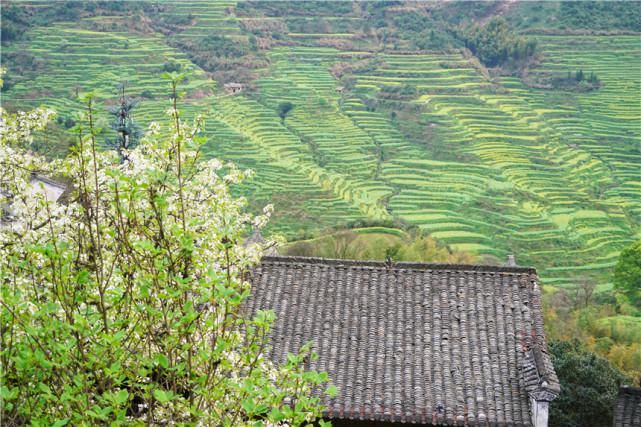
[
  {"x": 393, "y": 121},
  {"x": 377, "y": 243}
]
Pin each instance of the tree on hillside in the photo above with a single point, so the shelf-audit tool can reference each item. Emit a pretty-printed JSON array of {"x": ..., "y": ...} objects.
[
  {"x": 128, "y": 132},
  {"x": 343, "y": 244},
  {"x": 124, "y": 305},
  {"x": 424, "y": 248},
  {"x": 589, "y": 387},
  {"x": 348, "y": 244},
  {"x": 627, "y": 273},
  {"x": 283, "y": 109},
  {"x": 584, "y": 291},
  {"x": 495, "y": 44},
  {"x": 15, "y": 21}
]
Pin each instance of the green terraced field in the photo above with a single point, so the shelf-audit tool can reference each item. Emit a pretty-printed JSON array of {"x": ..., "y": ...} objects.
[{"x": 490, "y": 167}]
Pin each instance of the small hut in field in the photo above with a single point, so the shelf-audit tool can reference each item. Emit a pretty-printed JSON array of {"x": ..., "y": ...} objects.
[{"x": 233, "y": 88}]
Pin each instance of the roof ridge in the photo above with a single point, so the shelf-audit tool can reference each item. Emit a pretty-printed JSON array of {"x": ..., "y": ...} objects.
[
  {"x": 50, "y": 181},
  {"x": 548, "y": 383},
  {"x": 402, "y": 265},
  {"x": 626, "y": 389}
]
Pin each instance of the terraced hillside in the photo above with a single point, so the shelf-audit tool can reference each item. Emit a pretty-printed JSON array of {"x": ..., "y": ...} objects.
[
  {"x": 79, "y": 60},
  {"x": 489, "y": 166}
]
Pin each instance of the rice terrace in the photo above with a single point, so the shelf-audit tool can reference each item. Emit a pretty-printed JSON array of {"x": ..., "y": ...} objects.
[{"x": 393, "y": 120}]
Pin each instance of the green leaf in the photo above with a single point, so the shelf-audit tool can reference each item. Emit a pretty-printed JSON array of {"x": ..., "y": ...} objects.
[
  {"x": 99, "y": 413},
  {"x": 331, "y": 390},
  {"x": 161, "y": 360},
  {"x": 293, "y": 359},
  {"x": 82, "y": 277},
  {"x": 121, "y": 397},
  {"x": 264, "y": 317},
  {"x": 7, "y": 394},
  {"x": 86, "y": 96},
  {"x": 117, "y": 337},
  {"x": 115, "y": 367},
  {"x": 276, "y": 415},
  {"x": 162, "y": 396},
  {"x": 60, "y": 423},
  {"x": 249, "y": 406},
  {"x": 44, "y": 388}
]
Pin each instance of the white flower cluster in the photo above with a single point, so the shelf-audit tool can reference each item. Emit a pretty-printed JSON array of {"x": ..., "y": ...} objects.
[
  {"x": 18, "y": 128},
  {"x": 21, "y": 208}
]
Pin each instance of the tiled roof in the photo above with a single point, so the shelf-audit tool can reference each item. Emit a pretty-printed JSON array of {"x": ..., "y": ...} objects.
[
  {"x": 256, "y": 238},
  {"x": 415, "y": 343},
  {"x": 51, "y": 189},
  {"x": 627, "y": 412}
]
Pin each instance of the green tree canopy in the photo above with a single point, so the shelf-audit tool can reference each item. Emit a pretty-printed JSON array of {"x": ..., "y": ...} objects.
[
  {"x": 284, "y": 108},
  {"x": 627, "y": 273},
  {"x": 127, "y": 130},
  {"x": 589, "y": 387},
  {"x": 496, "y": 44}
]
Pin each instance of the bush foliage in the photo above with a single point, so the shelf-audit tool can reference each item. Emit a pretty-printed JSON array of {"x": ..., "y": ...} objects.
[
  {"x": 589, "y": 386},
  {"x": 379, "y": 243},
  {"x": 495, "y": 44},
  {"x": 123, "y": 305},
  {"x": 627, "y": 274}
]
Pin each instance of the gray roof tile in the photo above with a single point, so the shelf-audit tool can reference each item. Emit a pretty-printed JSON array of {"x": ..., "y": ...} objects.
[
  {"x": 627, "y": 411},
  {"x": 416, "y": 343}
]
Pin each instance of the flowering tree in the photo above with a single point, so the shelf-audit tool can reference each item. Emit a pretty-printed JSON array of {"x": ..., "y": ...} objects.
[{"x": 124, "y": 304}]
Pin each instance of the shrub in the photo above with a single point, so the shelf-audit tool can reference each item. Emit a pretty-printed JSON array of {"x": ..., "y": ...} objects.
[
  {"x": 284, "y": 108},
  {"x": 589, "y": 386},
  {"x": 147, "y": 94},
  {"x": 627, "y": 273},
  {"x": 69, "y": 122},
  {"x": 577, "y": 81},
  {"x": 495, "y": 44},
  {"x": 126, "y": 302},
  {"x": 171, "y": 67},
  {"x": 221, "y": 46}
]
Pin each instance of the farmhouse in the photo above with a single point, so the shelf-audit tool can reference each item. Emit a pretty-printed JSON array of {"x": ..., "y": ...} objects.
[
  {"x": 233, "y": 88},
  {"x": 426, "y": 344},
  {"x": 627, "y": 411},
  {"x": 52, "y": 191},
  {"x": 257, "y": 238}
]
